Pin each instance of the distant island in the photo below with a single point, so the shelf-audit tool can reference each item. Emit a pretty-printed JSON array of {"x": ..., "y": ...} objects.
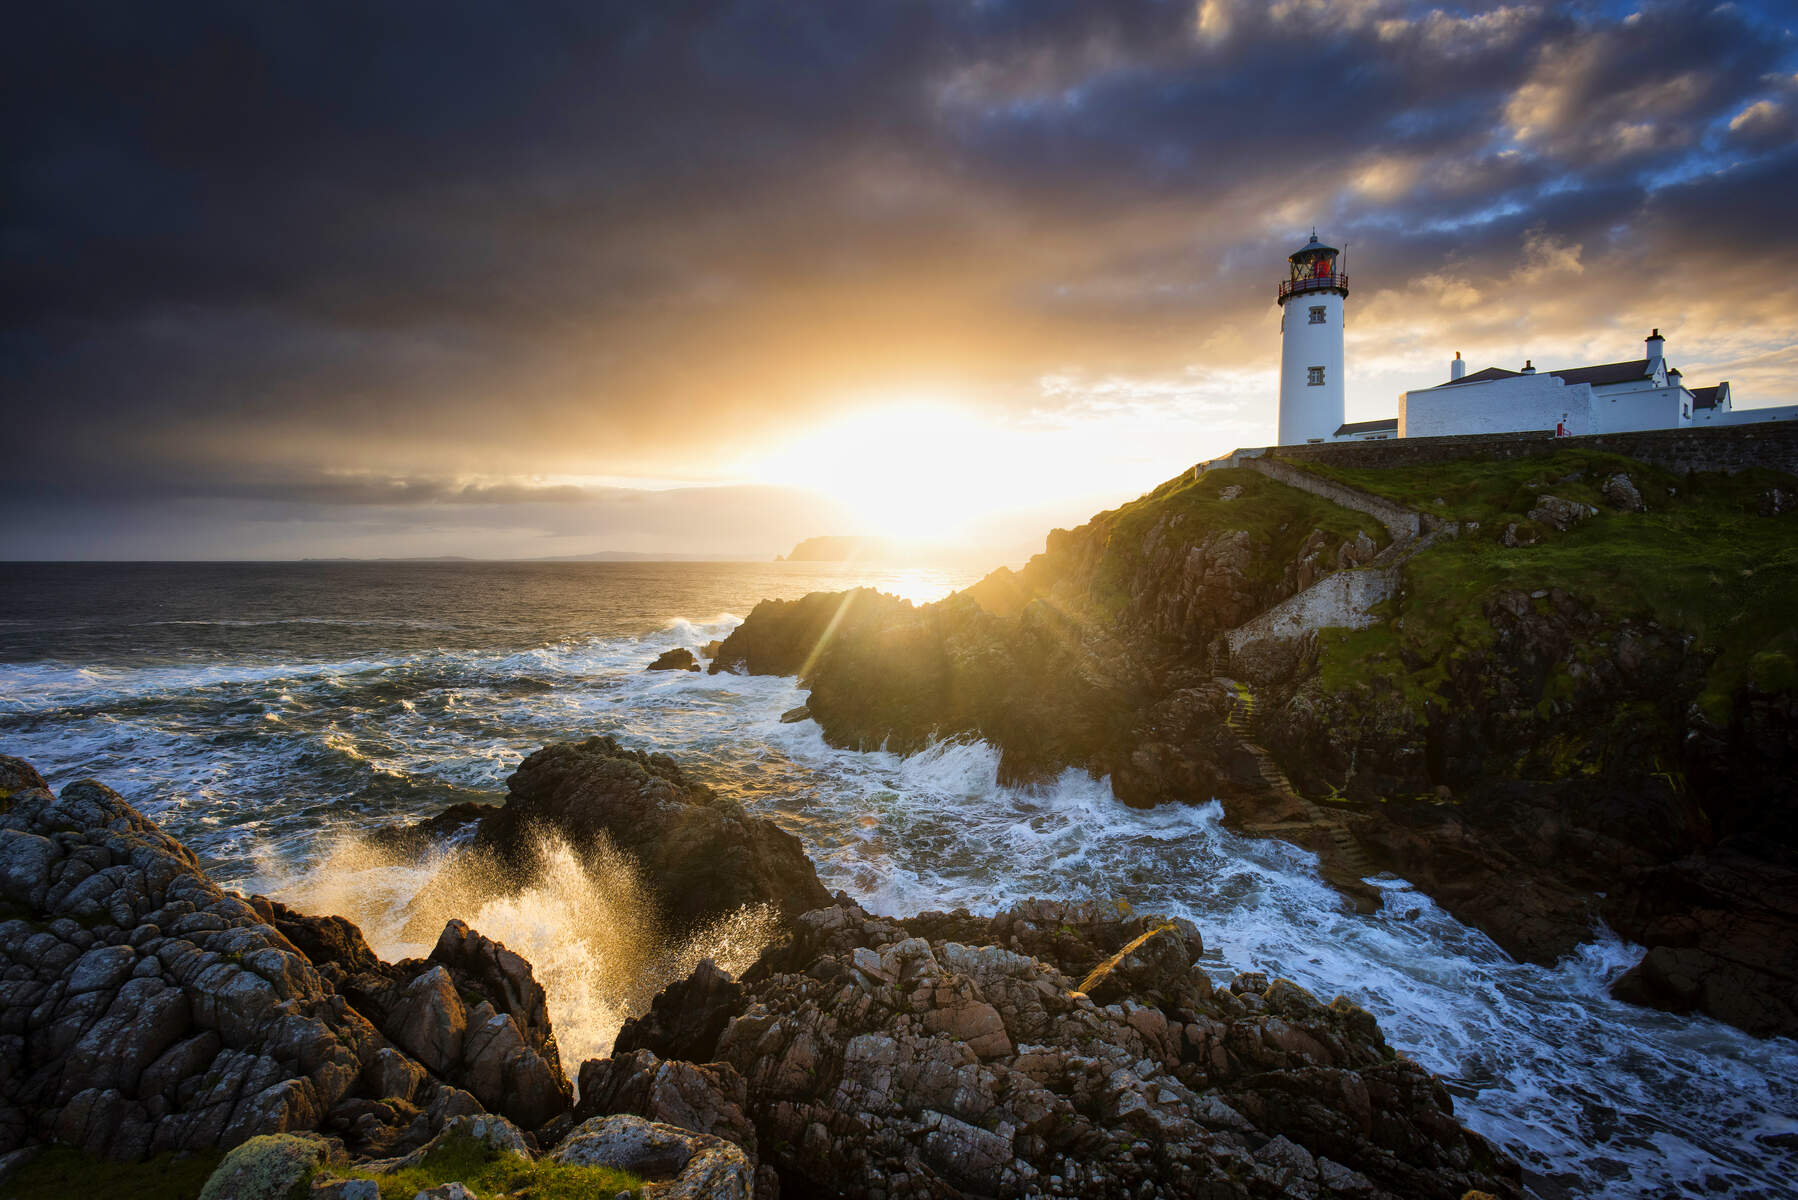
[
  {"x": 887, "y": 551},
  {"x": 627, "y": 556}
]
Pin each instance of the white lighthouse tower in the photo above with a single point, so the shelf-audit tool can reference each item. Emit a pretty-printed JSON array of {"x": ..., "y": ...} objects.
[{"x": 1311, "y": 304}]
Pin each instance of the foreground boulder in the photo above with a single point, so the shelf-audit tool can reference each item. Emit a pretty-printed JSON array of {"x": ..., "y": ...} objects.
[
  {"x": 696, "y": 1166},
  {"x": 143, "y": 1008},
  {"x": 485, "y": 1155},
  {"x": 471, "y": 1014},
  {"x": 271, "y": 1166},
  {"x": 702, "y": 853},
  {"x": 875, "y": 1061}
]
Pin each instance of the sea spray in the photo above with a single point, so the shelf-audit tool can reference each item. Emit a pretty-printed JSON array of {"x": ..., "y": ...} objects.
[{"x": 586, "y": 923}]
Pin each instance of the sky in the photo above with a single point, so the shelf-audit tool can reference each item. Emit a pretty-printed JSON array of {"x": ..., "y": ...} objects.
[{"x": 529, "y": 279}]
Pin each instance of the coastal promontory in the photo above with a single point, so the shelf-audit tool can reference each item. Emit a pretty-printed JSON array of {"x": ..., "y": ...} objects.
[{"x": 1549, "y": 683}]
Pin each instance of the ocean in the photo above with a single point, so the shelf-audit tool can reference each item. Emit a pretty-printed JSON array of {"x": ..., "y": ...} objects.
[{"x": 268, "y": 713}]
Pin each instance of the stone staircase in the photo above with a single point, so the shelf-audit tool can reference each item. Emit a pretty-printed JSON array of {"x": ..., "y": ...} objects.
[{"x": 1322, "y": 830}]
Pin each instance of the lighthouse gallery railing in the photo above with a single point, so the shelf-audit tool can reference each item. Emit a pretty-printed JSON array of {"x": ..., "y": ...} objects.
[{"x": 1314, "y": 283}]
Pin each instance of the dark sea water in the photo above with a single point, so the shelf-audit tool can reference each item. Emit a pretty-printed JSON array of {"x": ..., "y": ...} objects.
[{"x": 266, "y": 713}]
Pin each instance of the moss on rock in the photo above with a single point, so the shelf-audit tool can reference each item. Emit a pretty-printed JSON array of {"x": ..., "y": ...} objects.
[{"x": 274, "y": 1166}]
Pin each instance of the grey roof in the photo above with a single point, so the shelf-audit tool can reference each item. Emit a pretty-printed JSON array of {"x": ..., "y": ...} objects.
[
  {"x": 1619, "y": 372},
  {"x": 1707, "y": 397},
  {"x": 1366, "y": 426},
  {"x": 1486, "y": 376}
]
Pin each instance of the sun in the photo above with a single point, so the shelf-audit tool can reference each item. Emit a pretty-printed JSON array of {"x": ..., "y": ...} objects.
[{"x": 920, "y": 470}]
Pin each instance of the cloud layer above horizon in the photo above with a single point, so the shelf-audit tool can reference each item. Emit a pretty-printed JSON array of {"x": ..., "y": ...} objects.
[{"x": 455, "y": 277}]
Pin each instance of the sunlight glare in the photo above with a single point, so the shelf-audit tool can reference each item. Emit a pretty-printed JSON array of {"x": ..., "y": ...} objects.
[{"x": 921, "y": 470}]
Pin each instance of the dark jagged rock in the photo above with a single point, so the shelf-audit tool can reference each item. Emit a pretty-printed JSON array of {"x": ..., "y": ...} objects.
[
  {"x": 705, "y": 1098},
  {"x": 1156, "y": 967},
  {"x": 678, "y": 659},
  {"x": 685, "y": 1018},
  {"x": 333, "y": 944},
  {"x": 144, "y": 1009},
  {"x": 1045, "y": 687},
  {"x": 702, "y": 854},
  {"x": 471, "y": 1013},
  {"x": 484, "y": 967},
  {"x": 871, "y": 1057},
  {"x": 1724, "y": 932},
  {"x": 469, "y": 1042}
]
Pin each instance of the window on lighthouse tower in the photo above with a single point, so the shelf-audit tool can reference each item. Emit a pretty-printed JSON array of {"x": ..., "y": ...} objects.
[
  {"x": 1317, "y": 314},
  {"x": 1314, "y": 376}
]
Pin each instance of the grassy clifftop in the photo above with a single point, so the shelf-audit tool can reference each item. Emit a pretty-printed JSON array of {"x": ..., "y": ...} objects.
[
  {"x": 1706, "y": 557},
  {"x": 1252, "y": 528}
]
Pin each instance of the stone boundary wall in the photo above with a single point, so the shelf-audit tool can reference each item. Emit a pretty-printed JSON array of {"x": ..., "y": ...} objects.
[
  {"x": 1337, "y": 601},
  {"x": 1731, "y": 448},
  {"x": 1401, "y": 523}
]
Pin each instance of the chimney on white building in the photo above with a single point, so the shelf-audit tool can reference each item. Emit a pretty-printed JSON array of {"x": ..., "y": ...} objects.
[
  {"x": 1529, "y": 368},
  {"x": 1657, "y": 346},
  {"x": 1457, "y": 369}
]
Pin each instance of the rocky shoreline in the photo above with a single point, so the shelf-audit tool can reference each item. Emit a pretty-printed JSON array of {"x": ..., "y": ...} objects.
[
  {"x": 1510, "y": 731},
  {"x": 1056, "y": 1049}
]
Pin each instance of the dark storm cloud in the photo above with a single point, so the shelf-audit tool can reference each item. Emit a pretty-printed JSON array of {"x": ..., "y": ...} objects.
[{"x": 249, "y": 245}]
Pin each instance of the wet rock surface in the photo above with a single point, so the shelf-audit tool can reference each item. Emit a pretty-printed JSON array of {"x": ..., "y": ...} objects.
[
  {"x": 1722, "y": 930},
  {"x": 701, "y": 853},
  {"x": 678, "y": 659},
  {"x": 879, "y": 1062},
  {"x": 143, "y": 1008}
]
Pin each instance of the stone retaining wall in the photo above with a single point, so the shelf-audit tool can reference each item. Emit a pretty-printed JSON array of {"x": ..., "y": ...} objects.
[
  {"x": 1401, "y": 523},
  {"x": 1338, "y": 601},
  {"x": 1731, "y": 448}
]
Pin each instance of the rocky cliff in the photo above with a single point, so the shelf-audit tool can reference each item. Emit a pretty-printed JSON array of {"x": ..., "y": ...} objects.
[
  {"x": 1576, "y": 704},
  {"x": 1053, "y": 1050}
]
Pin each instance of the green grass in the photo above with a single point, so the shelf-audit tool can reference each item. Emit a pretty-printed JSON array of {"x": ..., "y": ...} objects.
[
  {"x": 487, "y": 1172},
  {"x": 1489, "y": 490},
  {"x": 63, "y": 1171},
  {"x": 1700, "y": 561},
  {"x": 1276, "y": 517}
]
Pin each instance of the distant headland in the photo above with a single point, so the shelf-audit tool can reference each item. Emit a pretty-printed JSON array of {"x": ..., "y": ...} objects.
[{"x": 890, "y": 552}]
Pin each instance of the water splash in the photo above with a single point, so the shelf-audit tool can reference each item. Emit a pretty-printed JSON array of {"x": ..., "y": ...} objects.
[{"x": 585, "y": 922}]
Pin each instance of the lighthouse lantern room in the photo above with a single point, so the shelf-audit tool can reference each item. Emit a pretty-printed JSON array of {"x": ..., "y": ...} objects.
[{"x": 1311, "y": 303}]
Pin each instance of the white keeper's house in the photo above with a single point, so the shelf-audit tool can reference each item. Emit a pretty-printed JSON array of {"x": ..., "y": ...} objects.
[{"x": 1638, "y": 393}]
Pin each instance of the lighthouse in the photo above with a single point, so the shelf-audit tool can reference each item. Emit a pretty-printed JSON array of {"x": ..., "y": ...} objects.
[{"x": 1312, "y": 297}]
